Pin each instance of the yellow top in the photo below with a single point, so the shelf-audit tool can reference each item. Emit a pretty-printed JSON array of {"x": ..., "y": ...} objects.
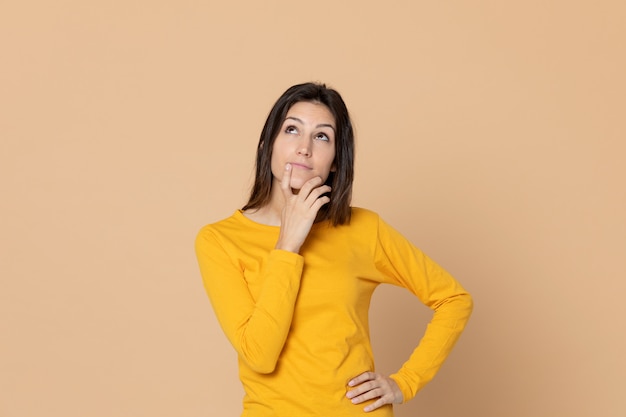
[{"x": 299, "y": 322}]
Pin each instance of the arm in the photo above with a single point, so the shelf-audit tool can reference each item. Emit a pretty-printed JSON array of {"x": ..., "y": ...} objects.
[
  {"x": 257, "y": 329},
  {"x": 404, "y": 265},
  {"x": 407, "y": 266}
]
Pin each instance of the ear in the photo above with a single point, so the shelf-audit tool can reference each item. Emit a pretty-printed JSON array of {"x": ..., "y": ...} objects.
[{"x": 333, "y": 167}]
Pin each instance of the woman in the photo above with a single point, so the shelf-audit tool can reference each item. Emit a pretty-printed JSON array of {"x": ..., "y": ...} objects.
[{"x": 291, "y": 274}]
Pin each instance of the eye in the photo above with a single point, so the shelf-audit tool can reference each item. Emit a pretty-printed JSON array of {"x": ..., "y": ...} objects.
[
  {"x": 322, "y": 136},
  {"x": 291, "y": 130}
]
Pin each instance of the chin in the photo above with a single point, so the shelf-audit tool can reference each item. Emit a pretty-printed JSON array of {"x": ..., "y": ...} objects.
[
  {"x": 297, "y": 181},
  {"x": 296, "y": 185}
]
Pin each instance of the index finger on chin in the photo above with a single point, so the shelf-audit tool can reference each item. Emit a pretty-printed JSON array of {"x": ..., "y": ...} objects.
[{"x": 285, "y": 183}]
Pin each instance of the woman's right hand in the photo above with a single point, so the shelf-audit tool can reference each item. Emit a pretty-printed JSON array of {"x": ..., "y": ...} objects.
[{"x": 300, "y": 210}]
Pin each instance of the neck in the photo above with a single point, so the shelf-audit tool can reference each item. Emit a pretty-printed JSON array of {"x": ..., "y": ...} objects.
[{"x": 271, "y": 213}]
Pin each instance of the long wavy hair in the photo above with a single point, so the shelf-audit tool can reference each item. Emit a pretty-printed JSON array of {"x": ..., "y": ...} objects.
[{"x": 338, "y": 209}]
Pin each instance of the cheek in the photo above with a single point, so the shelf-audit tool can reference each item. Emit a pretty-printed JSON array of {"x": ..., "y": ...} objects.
[
  {"x": 332, "y": 162},
  {"x": 275, "y": 167},
  {"x": 277, "y": 153}
]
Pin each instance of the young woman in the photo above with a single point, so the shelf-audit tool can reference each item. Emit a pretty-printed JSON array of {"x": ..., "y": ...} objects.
[{"x": 291, "y": 274}]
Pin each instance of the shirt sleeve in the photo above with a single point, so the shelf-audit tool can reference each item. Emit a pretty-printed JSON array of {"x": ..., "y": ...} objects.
[
  {"x": 257, "y": 328},
  {"x": 405, "y": 265}
]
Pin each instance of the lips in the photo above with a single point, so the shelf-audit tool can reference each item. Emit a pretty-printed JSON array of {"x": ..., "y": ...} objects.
[{"x": 300, "y": 166}]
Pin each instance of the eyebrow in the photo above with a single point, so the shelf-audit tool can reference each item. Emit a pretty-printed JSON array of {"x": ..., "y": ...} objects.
[{"x": 317, "y": 127}]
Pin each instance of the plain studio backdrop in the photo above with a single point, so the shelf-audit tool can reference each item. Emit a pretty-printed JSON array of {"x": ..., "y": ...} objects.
[{"x": 491, "y": 134}]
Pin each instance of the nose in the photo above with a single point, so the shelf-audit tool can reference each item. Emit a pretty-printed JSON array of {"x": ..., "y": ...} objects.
[{"x": 304, "y": 148}]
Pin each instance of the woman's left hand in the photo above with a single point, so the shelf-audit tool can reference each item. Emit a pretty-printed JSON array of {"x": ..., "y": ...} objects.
[{"x": 371, "y": 385}]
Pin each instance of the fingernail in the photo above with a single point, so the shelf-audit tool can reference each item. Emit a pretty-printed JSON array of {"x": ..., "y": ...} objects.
[{"x": 287, "y": 167}]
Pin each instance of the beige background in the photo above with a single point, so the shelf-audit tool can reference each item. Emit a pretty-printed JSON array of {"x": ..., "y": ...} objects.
[{"x": 490, "y": 133}]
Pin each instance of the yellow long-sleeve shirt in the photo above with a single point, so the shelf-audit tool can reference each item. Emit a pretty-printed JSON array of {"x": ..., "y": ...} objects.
[{"x": 299, "y": 322}]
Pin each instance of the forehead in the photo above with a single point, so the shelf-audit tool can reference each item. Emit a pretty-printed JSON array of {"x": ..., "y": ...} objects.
[{"x": 311, "y": 112}]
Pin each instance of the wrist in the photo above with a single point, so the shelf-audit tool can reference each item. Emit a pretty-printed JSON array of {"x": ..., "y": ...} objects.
[{"x": 287, "y": 247}]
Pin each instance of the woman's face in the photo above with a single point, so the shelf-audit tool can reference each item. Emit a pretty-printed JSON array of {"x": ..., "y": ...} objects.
[{"x": 307, "y": 142}]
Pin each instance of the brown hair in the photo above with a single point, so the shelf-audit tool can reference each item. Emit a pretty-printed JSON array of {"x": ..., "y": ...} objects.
[{"x": 338, "y": 209}]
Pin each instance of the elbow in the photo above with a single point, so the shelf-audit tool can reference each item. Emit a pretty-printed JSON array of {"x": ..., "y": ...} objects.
[
  {"x": 258, "y": 359},
  {"x": 459, "y": 305},
  {"x": 465, "y": 304},
  {"x": 263, "y": 367},
  {"x": 469, "y": 302},
  {"x": 260, "y": 365}
]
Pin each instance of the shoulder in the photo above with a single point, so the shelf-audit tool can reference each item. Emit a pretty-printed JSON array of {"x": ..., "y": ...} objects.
[
  {"x": 368, "y": 220},
  {"x": 363, "y": 222},
  {"x": 227, "y": 226},
  {"x": 361, "y": 216}
]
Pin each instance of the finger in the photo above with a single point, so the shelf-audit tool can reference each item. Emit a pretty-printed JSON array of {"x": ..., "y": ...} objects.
[
  {"x": 377, "y": 404},
  {"x": 367, "y": 394},
  {"x": 317, "y": 205},
  {"x": 316, "y": 193},
  {"x": 309, "y": 186},
  {"x": 381, "y": 396},
  {"x": 389, "y": 393},
  {"x": 285, "y": 183},
  {"x": 365, "y": 376},
  {"x": 363, "y": 384}
]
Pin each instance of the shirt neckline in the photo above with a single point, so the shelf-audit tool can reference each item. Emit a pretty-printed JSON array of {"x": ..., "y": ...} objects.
[{"x": 243, "y": 218}]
